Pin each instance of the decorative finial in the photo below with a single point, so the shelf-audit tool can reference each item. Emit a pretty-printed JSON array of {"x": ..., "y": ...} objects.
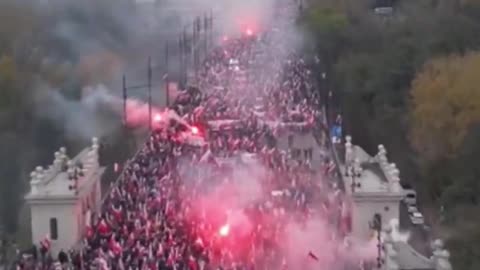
[
  {"x": 357, "y": 167},
  {"x": 395, "y": 184},
  {"x": 34, "y": 182},
  {"x": 39, "y": 173},
  {"x": 33, "y": 176},
  {"x": 70, "y": 173},
  {"x": 437, "y": 244},
  {"x": 57, "y": 155}
]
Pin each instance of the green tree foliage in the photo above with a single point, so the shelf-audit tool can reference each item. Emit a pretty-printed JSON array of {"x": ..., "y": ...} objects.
[
  {"x": 379, "y": 66},
  {"x": 327, "y": 22},
  {"x": 8, "y": 78},
  {"x": 64, "y": 45}
]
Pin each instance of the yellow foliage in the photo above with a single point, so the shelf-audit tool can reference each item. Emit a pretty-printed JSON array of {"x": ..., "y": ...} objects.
[
  {"x": 445, "y": 104},
  {"x": 16, "y": 19},
  {"x": 469, "y": 2},
  {"x": 8, "y": 77},
  {"x": 7, "y": 69}
]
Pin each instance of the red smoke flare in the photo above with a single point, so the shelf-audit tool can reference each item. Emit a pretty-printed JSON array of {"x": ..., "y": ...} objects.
[
  {"x": 195, "y": 130},
  {"x": 224, "y": 230}
]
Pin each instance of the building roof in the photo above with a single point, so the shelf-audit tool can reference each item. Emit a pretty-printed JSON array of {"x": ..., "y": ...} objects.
[
  {"x": 372, "y": 181},
  {"x": 54, "y": 182}
]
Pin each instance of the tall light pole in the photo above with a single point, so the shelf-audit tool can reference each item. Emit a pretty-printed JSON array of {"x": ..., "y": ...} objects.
[
  {"x": 148, "y": 85},
  {"x": 166, "y": 76}
]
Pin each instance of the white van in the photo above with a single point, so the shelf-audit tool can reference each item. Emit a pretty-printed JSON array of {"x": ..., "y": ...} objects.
[{"x": 417, "y": 218}]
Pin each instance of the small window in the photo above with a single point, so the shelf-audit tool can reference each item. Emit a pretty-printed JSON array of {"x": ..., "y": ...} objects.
[{"x": 53, "y": 229}]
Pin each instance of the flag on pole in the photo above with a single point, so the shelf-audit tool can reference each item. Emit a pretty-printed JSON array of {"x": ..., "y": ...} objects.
[{"x": 313, "y": 256}]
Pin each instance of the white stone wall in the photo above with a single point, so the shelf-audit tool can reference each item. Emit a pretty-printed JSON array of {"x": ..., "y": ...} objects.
[
  {"x": 67, "y": 225},
  {"x": 66, "y": 194},
  {"x": 364, "y": 210}
]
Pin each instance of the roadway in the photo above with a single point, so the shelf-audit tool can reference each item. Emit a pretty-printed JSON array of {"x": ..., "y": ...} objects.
[{"x": 420, "y": 236}]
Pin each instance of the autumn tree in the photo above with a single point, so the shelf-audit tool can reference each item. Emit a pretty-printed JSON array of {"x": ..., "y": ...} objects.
[{"x": 445, "y": 105}]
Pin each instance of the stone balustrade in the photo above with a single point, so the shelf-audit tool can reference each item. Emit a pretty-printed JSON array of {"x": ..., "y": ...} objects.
[
  {"x": 440, "y": 259},
  {"x": 62, "y": 163},
  {"x": 441, "y": 256},
  {"x": 91, "y": 160},
  {"x": 382, "y": 159},
  {"x": 352, "y": 163},
  {"x": 390, "y": 170},
  {"x": 348, "y": 151}
]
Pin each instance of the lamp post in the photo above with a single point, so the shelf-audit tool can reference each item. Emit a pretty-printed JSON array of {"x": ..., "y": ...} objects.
[
  {"x": 166, "y": 76},
  {"x": 377, "y": 225},
  {"x": 148, "y": 86}
]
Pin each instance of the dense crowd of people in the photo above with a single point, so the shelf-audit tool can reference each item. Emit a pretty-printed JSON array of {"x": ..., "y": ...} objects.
[{"x": 225, "y": 203}]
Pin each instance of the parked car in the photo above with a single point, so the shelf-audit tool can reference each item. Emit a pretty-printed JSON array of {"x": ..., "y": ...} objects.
[
  {"x": 412, "y": 208},
  {"x": 417, "y": 218},
  {"x": 410, "y": 197}
]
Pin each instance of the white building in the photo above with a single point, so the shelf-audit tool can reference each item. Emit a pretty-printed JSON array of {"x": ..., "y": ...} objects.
[
  {"x": 374, "y": 186},
  {"x": 62, "y": 195}
]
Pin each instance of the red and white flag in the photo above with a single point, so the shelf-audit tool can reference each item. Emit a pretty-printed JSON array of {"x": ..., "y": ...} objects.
[
  {"x": 313, "y": 256},
  {"x": 46, "y": 243}
]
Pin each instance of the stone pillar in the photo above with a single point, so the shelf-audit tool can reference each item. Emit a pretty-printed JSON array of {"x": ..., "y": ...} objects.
[
  {"x": 349, "y": 156},
  {"x": 382, "y": 157},
  {"x": 357, "y": 168},
  {"x": 91, "y": 161},
  {"x": 34, "y": 182},
  {"x": 95, "y": 147},
  {"x": 393, "y": 176},
  {"x": 356, "y": 172},
  {"x": 63, "y": 151},
  {"x": 63, "y": 158},
  {"x": 440, "y": 257},
  {"x": 390, "y": 255},
  {"x": 443, "y": 261},
  {"x": 57, "y": 163},
  {"x": 70, "y": 170},
  {"x": 348, "y": 148},
  {"x": 39, "y": 173}
]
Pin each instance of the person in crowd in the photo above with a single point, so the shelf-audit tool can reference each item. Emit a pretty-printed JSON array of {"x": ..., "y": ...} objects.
[{"x": 157, "y": 216}]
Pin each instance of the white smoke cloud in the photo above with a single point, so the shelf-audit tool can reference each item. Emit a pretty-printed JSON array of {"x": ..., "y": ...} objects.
[{"x": 93, "y": 115}]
